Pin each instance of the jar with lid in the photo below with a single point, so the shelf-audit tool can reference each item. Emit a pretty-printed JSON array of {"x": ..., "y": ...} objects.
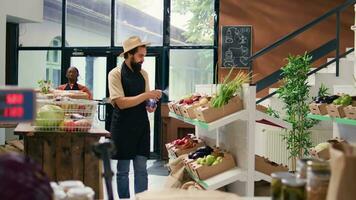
[
  {"x": 293, "y": 189},
  {"x": 301, "y": 172},
  {"x": 276, "y": 184},
  {"x": 318, "y": 174}
]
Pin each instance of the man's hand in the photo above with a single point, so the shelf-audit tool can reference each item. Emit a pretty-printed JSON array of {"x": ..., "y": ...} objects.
[
  {"x": 150, "y": 109},
  {"x": 154, "y": 94}
]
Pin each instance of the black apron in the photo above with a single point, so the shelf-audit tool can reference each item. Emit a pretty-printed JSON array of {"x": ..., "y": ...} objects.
[
  {"x": 75, "y": 87},
  {"x": 130, "y": 128}
]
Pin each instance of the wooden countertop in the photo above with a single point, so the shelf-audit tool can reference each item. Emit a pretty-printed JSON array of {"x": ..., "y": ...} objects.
[
  {"x": 8, "y": 125},
  {"x": 28, "y": 130}
]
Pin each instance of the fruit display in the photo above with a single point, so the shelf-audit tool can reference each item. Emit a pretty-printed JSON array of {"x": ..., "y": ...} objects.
[
  {"x": 336, "y": 109},
  {"x": 200, "y": 152},
  {"x": 184, "y": 145},
  {"x": 209, "y": 160},
  {"x": 325, "y": 99},
  {"x": 64, "y": 115},
  {"x": 343, "y": 100},
  {"x": 211, "y": 165},
  {"x": 186, "y": 105}
]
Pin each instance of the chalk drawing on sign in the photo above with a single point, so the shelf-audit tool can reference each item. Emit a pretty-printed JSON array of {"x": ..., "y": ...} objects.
[
  {"x": 229, "y": 59},
  {"x": 235, "y": 55},
  {"x": 228, "y": 37}
]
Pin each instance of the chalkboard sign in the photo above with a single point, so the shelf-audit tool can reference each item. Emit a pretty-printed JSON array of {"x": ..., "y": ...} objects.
[{"x": 236, "y": 46}]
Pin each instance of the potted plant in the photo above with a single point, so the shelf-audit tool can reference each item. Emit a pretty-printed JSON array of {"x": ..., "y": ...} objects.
[{"x": 295, "y": 95}]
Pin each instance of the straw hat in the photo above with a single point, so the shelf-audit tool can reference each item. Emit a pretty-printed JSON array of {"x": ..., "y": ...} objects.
[{"x": 131, "y": 43}]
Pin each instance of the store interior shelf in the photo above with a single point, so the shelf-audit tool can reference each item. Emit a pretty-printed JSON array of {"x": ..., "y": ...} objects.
[
  {"x": 264, "y": 118},
  {"x": 222, "y": 179},
  {"x": 240, "y": 115},
  {"x": 337, "y": 120},
  {"x": 261, "y": 176}
]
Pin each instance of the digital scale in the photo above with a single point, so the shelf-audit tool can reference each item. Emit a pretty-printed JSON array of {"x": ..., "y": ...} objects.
[{"x": 17, "y": 105}]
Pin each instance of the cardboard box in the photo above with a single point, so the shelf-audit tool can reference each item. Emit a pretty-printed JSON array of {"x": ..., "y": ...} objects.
[
  {"x": 335, "y": 110},
  {"x": 188, "y": 111},
  {"x": 350, "y": 112},
  {"x": 325, "y": 153},
  {"x": 176, "y": 108},
  {"x": 174, "y": 152},
  {"x": 177, "y": 151},
  {"x": 209, "y": 114},
  {"x": 204, "y": 172},
  {"x": 318, "y": 108},
  {"x": 170, "y": 107},
  {"x": 268, "y": 167}
]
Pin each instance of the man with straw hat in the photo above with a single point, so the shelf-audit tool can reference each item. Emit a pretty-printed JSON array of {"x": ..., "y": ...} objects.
[{"x": 130, "y": 128}]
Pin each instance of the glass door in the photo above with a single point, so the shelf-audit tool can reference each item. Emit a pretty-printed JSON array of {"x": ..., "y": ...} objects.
[{"x": 92, "y": 68}]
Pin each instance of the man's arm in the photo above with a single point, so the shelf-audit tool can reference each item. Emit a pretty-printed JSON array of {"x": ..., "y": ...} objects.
[{"x": 128, "y": 102}]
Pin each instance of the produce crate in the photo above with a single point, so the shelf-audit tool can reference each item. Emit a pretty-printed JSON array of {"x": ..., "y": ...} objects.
[
  {"x": 176, "y": 151},
  {"x": 204, "y": 172},
  {"x": 176, "y": 108},
  {"x": 335, "y": 110},
  {"x": 170, "y": 107},
  {"x": 268, "y": 167},
  {"x": 65, "y": 115},
  {"x": 209, "y": 114},
  {"x": 350, "y": 112},
  {"x": 188, "y": 111},
  {"x": 318, "y": 108}
]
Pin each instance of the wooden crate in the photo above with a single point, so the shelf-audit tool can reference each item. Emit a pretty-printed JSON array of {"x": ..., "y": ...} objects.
[
  {"x": 209, "y": 114},
  {"x": 188, "y": 111},
  {"x": 176, "y": 108},
  {"x": 318, "y": 108},
  {"x": 350, "y": 112},
  {"x": 170, "y": 107},
  {"x": 204, "y": 172},
  {"x": 65, "y": 156},
  {"x": 268, "y": 167},
  {"x": 335, "y": 110}
]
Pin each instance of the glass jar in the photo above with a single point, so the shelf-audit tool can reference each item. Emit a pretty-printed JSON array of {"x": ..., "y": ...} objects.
[
  {"x": 293, "y": 189},
  {"x": 276, "y": 184},
  {"x": 318, "y": 174},
  {"x": 301, "y": 172}
]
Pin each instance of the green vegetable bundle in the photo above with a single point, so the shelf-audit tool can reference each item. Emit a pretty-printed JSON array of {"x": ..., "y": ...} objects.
[{"x": 229, "y": 88}]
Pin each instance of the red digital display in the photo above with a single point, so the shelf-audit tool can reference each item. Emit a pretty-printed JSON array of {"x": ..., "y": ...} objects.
[
  {"x": 13, "y": 99},
  {"x": 13, "y": 112}
]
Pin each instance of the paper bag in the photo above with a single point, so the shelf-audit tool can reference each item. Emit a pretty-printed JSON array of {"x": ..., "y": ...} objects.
[
  {"x": 177, "y": 176},
  {"x": 342, "y": 184}
]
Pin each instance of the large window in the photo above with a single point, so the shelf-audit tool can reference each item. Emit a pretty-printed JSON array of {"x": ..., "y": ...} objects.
[
  {"x": 187, "y": 69},
  {"x": 184, "y": 36},
  {"x": 192, "y": 22},
  {"x": 143, "y": 18},
  {"x": 41, "y": 34},
  {"x": 34, "y": 66},
  {"x": 88, "y": 22}
]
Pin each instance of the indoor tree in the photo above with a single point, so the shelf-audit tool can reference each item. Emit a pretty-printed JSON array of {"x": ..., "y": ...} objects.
[{"x": 295, "y": 94}]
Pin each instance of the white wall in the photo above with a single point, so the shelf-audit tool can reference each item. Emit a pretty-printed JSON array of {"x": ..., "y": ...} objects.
[{"x": 19, "y": 11}]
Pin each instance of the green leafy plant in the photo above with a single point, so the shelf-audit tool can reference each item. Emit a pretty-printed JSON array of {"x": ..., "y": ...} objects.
[
  {"x": 44, "y": 86},
  {"x": 323, "y": 91},
  {"x": 229, "y": 88},
  {"x": 295, "y": 94},
  {"x": 271, "y": 112}
]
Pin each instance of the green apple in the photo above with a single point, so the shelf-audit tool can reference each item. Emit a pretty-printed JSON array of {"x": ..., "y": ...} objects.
[
  {"x": 215, "y": 162},
  {"x": 199, "y": 160},
  {"x": 210, "y": 159}
]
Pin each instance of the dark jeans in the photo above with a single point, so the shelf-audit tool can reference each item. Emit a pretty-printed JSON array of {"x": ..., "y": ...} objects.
[{"x": 140, "y": 173}]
